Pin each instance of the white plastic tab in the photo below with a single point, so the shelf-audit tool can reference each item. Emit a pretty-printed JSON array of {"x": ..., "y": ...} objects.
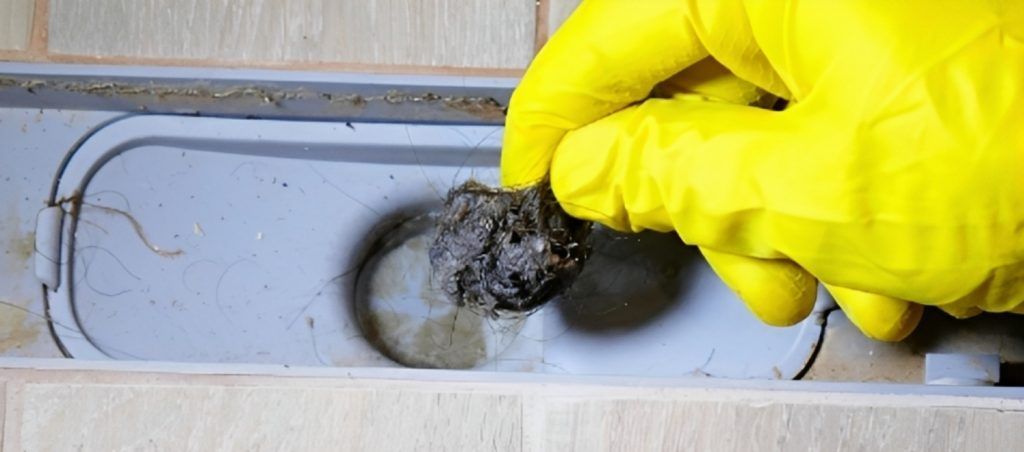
[
  {"x": 961, "y": 369},
  {"x": 47, "y": 246}
]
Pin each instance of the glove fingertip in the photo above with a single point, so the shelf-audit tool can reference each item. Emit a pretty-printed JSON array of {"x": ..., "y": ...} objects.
[
  {"x": 961, "y": 312},
  {"x": 879, "y": 317},
  {"x": 778, "y": 292}
]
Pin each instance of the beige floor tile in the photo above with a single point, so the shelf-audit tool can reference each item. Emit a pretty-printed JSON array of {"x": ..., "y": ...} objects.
[
  {"x": 136, "y": 410},
  {"x": 15, "y": 23},
  {"x": 98, "y": 417},
  {"x": 587, "y": 425},
  {"x": 456, "y": 33}
]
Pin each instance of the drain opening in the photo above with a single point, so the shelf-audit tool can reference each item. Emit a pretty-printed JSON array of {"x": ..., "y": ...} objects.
[{"x": 412, "y": 322}]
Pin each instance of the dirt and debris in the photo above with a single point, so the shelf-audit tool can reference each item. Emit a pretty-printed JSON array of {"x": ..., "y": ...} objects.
[
  {"x": 483, "y": 107},
  {"x": 504, "y": 253},
  {"x": 409, "y": 320},
  {"x": 16, "y": 325},
  {"x": 76, "y": 203},
  {"x": 23, "y": 247}
]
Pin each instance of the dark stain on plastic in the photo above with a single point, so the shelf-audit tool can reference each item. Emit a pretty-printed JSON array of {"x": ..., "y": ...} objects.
[
  {"x": 443, "y": 342},
  {"x": 22, "y": 246},
  {"x": 18, "y": 332}
]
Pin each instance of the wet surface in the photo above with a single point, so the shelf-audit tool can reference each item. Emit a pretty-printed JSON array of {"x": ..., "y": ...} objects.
[
  {"x": 412, "y": 322},
  {"x": 505, "y": 252}
]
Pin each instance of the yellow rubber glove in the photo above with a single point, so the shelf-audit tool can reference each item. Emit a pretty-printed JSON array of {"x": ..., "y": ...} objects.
[{"x": 896, "y": 173}]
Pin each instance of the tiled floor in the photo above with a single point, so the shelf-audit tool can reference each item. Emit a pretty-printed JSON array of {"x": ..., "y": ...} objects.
[
  {"x": 438, "y": 36},
  {"x": 146, "y": 410},
  {"x": 15, "y": 24}
]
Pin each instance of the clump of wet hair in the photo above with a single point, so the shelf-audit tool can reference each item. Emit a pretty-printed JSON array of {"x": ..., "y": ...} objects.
[{"x": 504, "y": 253}]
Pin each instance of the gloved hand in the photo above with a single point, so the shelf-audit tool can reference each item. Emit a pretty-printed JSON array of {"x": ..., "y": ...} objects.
[{"x": 895, "y": 176}]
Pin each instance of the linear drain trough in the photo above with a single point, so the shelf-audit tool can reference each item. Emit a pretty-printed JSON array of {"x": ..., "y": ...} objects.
[{"x": 303, "y": 243}]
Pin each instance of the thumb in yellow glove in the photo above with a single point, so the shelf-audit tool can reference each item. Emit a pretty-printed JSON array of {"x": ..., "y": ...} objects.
[{"x": 894, "y": 177}]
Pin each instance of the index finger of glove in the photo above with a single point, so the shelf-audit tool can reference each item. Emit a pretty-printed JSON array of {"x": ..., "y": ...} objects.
[{"x": 608, "y": 54}]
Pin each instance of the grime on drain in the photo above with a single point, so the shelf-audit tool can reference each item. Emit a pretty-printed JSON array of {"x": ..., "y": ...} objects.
[
  {"x": 453, "y": 289},
  {"x": 409, "y": 320}
]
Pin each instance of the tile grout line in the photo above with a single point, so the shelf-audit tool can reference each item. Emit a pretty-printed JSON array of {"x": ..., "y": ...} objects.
[
  {"x": 541, "y": 25},
  {"x": 37, "y": 51},
  {"x": 21, "y": 56},
  {"x": 39, "y": 37},
  {"x": 278, "y": 65}
]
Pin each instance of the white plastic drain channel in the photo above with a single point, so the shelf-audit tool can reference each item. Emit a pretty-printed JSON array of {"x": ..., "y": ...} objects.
[{"x": 222, "y": 240}]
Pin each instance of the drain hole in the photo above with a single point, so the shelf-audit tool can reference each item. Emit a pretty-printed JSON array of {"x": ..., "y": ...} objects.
[{"x": 410, "y": 322}]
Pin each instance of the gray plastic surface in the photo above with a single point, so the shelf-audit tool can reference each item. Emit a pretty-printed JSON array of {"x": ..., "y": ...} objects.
[
  {"x": 227, "y": 240},
  {"x": 961, "y": 369}
]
